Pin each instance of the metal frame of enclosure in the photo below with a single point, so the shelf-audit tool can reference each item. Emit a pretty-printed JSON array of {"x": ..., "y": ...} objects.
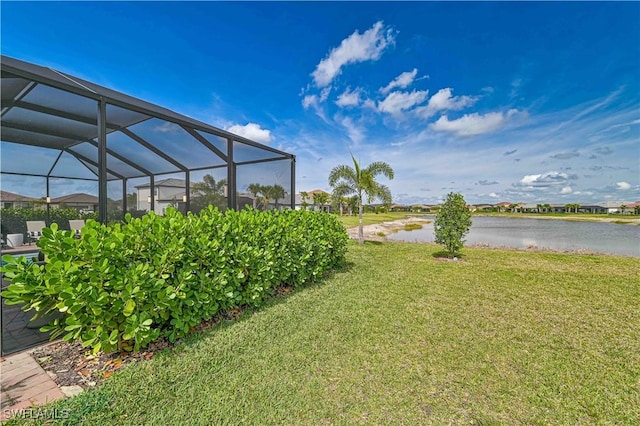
[{"x": 55, "y": 126}]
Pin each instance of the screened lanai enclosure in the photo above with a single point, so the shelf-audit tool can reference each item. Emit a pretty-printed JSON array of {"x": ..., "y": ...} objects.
[
  {"x": 65, "y": 140},
  {"x": 64, "y": 135}
]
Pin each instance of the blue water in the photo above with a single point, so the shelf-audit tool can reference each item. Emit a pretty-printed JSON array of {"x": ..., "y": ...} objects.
[
  {"x": 31, "y": 256},
  {"x": 562, "y": 235}
]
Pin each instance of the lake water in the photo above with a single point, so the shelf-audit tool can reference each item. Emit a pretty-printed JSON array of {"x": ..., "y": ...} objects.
[{"x": 541, "y": 233}]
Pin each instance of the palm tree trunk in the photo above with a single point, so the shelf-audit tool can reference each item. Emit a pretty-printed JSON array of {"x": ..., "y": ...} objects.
[{"x": 360, "y": 230}]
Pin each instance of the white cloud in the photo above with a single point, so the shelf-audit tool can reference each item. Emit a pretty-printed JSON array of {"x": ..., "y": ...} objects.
[
  {"x": 310, "y": 100},
  {"x": 396, "y": 102},
  {"x": 472, "y": 124},
  {"x": 367, "y": 46},
  {"x": 402, "y": 81},
  {"x": 623, "y": 186},
  {"x": 368, "y": 103},
  {"x": 493, "y": 195},
  {"x": 324, "y": 94},
  {"x": 349, "y": 98},
  {"x": 545, "y": 180},
  {"x": 444, "y": 100},
  {"x": 356, "y": 134},
  {"x": 252, "y": 131},
  {"x": 566, "y": 190},
  {"x": 314, "y": 101}
]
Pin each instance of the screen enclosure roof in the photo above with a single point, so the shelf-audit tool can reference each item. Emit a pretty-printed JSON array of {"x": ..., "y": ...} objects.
[{"x": 50, "y": 127}]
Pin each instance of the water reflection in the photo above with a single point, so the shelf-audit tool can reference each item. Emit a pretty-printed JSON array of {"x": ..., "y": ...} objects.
[{"x": 543, "y": 234}]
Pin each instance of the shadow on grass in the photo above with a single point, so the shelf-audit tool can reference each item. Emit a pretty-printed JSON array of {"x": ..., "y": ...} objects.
[{"x": 442, "y": 254}]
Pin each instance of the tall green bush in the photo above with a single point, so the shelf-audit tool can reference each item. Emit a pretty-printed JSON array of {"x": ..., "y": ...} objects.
[{"x": 121, "y": 286}]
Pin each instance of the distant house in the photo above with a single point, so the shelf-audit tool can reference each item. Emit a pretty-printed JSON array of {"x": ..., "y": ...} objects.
[
  {"x": 9, "y": 200},
  {"x": 616, "y": 207},
  {"x": 79, "y": 201},
  {"x": 421, "y": 208},
  {"x": 399, "y": 208},
  {"x": 502, "y": 206},
  {"x": 634, "y": 207},
  {"x": 592, "y": 208},
  {"x": 167, "y": 192},
  {"x": 309, "y": 200}
]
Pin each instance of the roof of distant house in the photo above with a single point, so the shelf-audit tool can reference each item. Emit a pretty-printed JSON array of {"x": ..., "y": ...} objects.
[
  {"x": 317, "y": 191},
  {"x": 79, "y": 197},
  {"x": 10, "y": 196}
]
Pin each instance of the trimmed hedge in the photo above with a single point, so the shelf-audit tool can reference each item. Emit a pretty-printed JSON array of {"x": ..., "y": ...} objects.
[
  {"x": 14, "y": 221},
  {"x": 122, "y": 286}
]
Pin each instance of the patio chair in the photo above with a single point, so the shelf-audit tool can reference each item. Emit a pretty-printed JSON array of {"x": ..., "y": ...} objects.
[
  {"x": 34, "y": 230},
  {"x": 76, "y": 226}
]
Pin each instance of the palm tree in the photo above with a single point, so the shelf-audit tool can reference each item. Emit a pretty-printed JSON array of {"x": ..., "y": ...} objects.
[
  {"x": 343, "y": 201},
  {"x": 352, "y": 203},
  {"x": 623, "y": 207},
  {"x": 277, "y": 192},
  {"x": 320, "y": 198},
  {"x": 208, "y": 192},
  {"x": 254, "y": 189},
  {"x": 304, "y": 195},
  {"x": 267, "y": 192},
  {"x": 346, "y": 180}
]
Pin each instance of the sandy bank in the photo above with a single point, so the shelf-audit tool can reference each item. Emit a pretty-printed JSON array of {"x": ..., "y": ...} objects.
[{"x": 378, "y": 231}]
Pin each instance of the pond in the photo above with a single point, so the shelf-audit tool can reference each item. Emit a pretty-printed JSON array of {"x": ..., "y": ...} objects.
[{"x": 541, "y": 234}]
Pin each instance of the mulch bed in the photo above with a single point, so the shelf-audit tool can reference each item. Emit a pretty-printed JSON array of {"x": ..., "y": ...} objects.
[{"x": 70, "y": 364}]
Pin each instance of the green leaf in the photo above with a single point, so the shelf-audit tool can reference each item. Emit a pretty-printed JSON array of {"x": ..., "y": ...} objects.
[{"x": 129, "y": 307}]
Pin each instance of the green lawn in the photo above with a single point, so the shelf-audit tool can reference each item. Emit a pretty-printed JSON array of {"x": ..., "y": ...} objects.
[{"x": 399, "y": 337}]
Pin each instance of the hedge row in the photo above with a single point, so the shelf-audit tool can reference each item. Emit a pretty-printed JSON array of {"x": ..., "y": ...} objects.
[
  {"x": 122, "y": 286},
  {"x": 14, "y": 221}
]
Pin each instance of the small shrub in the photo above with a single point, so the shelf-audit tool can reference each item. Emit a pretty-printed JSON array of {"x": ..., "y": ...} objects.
[
  {"x": 122, "y": 286},
  {"x": 452, "y": 223}
]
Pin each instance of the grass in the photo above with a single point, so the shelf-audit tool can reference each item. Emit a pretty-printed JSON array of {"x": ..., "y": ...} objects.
[
  {"x": 401, "y": 337},
  {"x": 627, "y": 219},
  {"x": 412, "y": 226}
]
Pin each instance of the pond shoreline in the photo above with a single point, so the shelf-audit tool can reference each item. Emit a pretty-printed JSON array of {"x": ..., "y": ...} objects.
[
  {"x": 373, "y": 232},
  {"x": 380, "y": 231},
  {"x": 573, "y": 218}
]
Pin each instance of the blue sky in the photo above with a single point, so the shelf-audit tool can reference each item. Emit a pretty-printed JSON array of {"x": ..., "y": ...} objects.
[{"x": 520, "y": 102}]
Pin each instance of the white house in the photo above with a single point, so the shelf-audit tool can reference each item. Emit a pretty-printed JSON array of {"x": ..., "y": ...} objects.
[{"x": 167, "y": 192}]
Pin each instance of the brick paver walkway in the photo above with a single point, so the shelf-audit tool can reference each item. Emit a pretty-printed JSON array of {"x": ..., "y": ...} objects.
[{"x": 25, "y": 384}]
